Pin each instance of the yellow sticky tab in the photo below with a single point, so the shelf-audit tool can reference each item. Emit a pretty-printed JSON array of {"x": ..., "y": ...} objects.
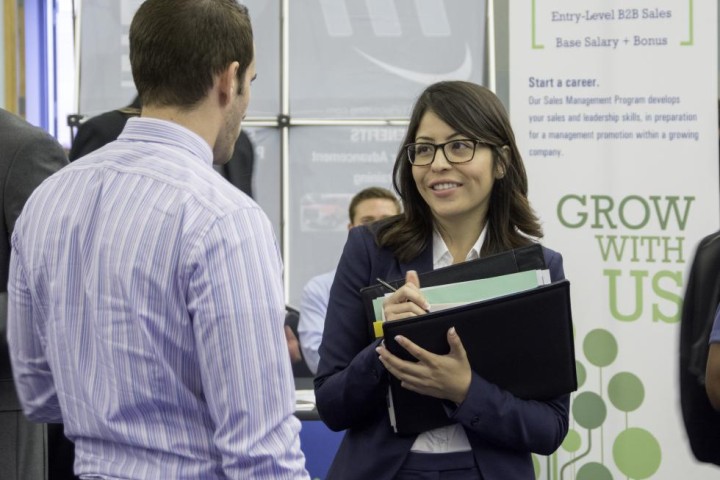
[{"x": 377, "y": 327}]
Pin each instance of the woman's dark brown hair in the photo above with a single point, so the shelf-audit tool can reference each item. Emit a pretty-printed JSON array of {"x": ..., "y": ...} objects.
[{"x": 474, "y": 111}]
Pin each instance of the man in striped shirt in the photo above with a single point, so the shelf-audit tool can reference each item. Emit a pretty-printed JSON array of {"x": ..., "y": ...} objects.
[{"x": 146, "y": 304}]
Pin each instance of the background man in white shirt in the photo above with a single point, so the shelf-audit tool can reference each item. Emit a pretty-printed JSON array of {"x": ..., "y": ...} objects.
[{"x": 368, "y": 205}]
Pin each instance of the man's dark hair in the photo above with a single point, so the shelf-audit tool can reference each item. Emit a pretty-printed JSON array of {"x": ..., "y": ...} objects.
[
  {"x": 178, "y": 46},
  {"x": 369, "y": 194}
]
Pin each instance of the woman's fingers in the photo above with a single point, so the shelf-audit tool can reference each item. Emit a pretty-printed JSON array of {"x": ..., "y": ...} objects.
[
  {"x": 407, "y": 301},
  {"x": 412, "y": 278},
  {"x": 442, "y": 376}
]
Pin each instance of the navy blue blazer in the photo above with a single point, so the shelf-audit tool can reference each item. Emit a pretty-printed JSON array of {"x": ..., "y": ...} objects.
[{"x": 351, "y": 385}]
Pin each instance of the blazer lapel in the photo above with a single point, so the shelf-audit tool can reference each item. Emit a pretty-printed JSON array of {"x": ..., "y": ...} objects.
[{"x": 422, "y": 263}]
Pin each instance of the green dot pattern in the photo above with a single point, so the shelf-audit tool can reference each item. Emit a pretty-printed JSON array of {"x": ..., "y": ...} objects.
[
  {"x": 572, "y": 442},
  {"x": 589, "y": 410},
  {"x": 600, "y": 347},
  {"x": 593, "y": 471},
  {"x": 581, "y": 373},
  {"x": 637, "y": 453},
  {"x": 626, "y": 391}
]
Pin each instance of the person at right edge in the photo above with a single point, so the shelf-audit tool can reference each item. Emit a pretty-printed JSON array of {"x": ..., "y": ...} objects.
[
  {"x": 699, "y": 358},
  {"x": 464, "y": 189}
]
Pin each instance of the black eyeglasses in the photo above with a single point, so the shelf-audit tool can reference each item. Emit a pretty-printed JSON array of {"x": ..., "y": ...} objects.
[{"x": 460, "y": 150}]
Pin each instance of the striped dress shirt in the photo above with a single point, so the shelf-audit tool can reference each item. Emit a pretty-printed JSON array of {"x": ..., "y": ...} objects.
[{"x": 146, "y": 313}]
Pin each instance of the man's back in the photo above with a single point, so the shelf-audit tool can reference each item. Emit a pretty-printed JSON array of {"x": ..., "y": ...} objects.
[
  {"x": 157, "y": 320},
  {"x": 102, "y": 129}
]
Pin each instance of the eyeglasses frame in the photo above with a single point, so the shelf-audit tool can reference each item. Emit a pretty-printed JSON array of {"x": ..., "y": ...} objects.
[{"x": 441, "y": 146}]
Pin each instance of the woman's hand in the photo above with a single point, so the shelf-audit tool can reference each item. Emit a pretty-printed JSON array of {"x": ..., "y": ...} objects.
[
  {"x": 440, "y": 376},
  {"x": 407, "y": 301}
]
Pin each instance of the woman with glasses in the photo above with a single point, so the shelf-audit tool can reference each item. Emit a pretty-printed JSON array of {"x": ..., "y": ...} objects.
[{"x": 463, "y": 188}]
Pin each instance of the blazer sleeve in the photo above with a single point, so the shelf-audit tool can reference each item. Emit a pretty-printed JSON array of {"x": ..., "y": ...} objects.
[
  {"x": 498, "y": 417},
  {"x": 351, "y": 384},
  {"x": 37, "y": 157},
  {"x": 34, "y": 161}
]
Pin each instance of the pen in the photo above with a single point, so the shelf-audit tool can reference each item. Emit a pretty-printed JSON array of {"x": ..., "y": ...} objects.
[
  {"x": 386, "y": 285},
  {"x": 393, "y": 289}
]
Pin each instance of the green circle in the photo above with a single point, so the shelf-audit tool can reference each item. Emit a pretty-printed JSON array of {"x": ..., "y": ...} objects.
[
  {"x": 589, "y": 410},
  {"x": 637, "y": 453},
  {"x": 600, "y": 347},
  {"x": 536, "y": 465},
  {"x": 593, "y": 471},
  {"x": 572, "y": 442},
  {"x": 626, "y": 391},
  {"x": 580, "y": 373}
]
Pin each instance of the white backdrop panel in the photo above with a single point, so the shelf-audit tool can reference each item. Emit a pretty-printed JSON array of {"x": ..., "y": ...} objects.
[{"x": 614, "y": 105}]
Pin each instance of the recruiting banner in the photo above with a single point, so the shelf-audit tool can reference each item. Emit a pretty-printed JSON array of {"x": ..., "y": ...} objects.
[
  {"x": 614, "y": 105},
  {"x": 361, "y": 59},
  {"x": 267, "y": 176},
  {"x": 106, "y": 81},
  {"x": 328, "y": 165}
]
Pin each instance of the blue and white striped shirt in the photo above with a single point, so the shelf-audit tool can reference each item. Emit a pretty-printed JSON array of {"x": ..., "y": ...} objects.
[{"x": 146, "y": 313}]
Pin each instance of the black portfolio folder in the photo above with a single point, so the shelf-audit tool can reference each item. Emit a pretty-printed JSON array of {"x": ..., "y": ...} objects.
[
  {"x": 521, "y": 342},
  {"x": 519, "y": 259}
]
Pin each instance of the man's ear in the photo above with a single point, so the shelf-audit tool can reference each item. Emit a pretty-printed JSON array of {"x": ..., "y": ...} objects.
[{"x": 227, "y": 83}]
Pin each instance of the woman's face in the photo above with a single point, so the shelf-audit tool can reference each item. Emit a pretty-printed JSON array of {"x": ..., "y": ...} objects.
[{"x": 457, "y": 193}]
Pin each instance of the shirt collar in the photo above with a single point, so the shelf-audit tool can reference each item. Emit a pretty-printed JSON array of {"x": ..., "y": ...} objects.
[
  {"x": 441, "y": 254},
  {"x": 154, "y": 130}
]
